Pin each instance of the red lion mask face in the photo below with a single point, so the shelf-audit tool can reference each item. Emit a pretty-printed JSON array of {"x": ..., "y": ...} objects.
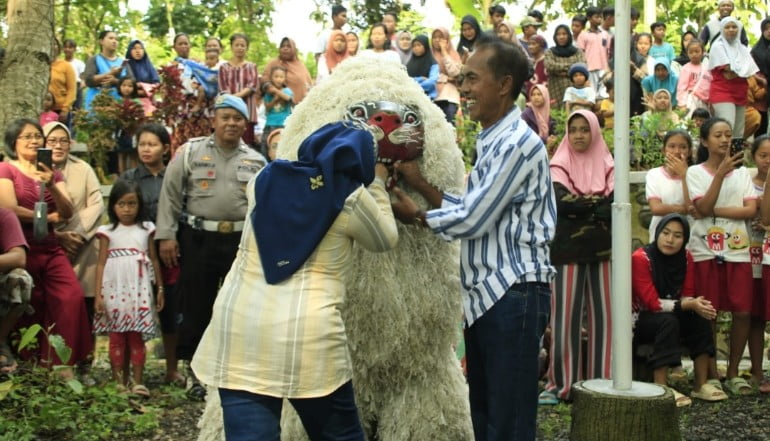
[{"x": 397, "y": 128}]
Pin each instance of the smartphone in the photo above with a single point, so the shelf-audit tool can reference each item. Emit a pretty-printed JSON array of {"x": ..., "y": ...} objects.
[
  {"x": 736, "y": 148},
  {"x": 45, "y": 156}
]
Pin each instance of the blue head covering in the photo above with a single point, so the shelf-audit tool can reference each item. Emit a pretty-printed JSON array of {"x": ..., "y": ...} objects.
[
  {"x": 227, "y": 101},
  {"x": 143, "y": 70},
  {"x": 652, "y": 83},
  {"x": 297, "y": 201}
]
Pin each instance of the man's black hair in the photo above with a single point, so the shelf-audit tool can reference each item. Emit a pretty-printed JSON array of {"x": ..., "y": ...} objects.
[
  {"x": 581, "y": 18},
  {"x": 593, "y": 10},
  {"x": 338, "y": 9},
  {"x": 506, "y": 59},
  {"x": 608, "y": 11},
  {"x": 496, "y": 9}
]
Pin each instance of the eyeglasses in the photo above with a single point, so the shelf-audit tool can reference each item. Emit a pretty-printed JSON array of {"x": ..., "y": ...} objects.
[
  {"x": 129, "y": 204},
  {"x": 64, "y": 142},
  {"x": 31, "y": 136}
]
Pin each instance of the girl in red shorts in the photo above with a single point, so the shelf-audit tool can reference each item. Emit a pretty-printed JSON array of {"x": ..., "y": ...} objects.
[{"x": 724, "y": 200}]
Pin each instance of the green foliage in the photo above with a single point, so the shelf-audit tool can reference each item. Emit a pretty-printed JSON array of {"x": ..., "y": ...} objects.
[
  {"x": 361, "y": 14},
  {"x": 412, "y": 21},
  {"x": 467, "y": 130},
  {"x": 646, "y": 137}
]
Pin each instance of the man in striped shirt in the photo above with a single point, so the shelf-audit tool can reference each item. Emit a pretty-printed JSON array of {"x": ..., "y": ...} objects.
[{"x": 505, "y": 222}]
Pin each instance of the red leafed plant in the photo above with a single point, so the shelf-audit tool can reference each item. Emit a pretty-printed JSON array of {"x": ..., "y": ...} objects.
[{"x": 183, "y": 112}]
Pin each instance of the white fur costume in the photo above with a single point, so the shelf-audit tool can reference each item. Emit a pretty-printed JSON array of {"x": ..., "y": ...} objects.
[{"x": 403, "y": 307}]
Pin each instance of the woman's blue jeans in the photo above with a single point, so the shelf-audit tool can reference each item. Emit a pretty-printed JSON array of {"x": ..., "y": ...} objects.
[{"x": 254, "y": 417}]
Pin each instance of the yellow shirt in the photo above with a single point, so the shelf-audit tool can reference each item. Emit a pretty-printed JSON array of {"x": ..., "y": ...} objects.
[
  {"x": 288, "y": 340},
  {"x": 63, "y": 85},
  {"x": 608, "y": 106}
]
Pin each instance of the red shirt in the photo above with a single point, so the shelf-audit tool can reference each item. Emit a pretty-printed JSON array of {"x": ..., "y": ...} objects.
[
  {"x": 728, "y": 91},
  {"x": 11, "y": 235},
  {"x": 644, "y": 294}
]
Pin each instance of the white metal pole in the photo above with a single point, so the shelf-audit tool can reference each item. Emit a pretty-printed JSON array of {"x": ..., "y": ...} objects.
[{"x": 621, "y": 208}]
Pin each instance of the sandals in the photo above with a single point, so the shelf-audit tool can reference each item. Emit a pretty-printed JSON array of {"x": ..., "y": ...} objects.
[
  {"x": 708, "y": 392},
  {"x": 681, "y": 399},
  {"x": 7, "y": 362},
  {"x": 547, "y": 398},
  {"x": 140, "y": 390},
  {"x": 196, "y": 392},
  {"x": 762, "y": 386},
  {"x": 739, "y": 386}
]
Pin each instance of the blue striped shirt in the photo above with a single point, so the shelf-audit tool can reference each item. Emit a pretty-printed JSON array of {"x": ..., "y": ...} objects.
[{"x": 507, "y": 217}]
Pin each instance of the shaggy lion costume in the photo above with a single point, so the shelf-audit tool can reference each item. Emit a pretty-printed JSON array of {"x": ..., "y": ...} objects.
[{"x": 403, "y": 307}]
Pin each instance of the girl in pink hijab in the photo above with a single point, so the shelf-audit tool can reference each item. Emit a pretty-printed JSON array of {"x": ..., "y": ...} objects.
[
  {"x": 537, "y": 115},
  {"x": 583, "y": 174}
]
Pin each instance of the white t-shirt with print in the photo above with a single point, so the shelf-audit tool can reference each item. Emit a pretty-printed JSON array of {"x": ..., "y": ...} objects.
[
  {"x": 757, "y": 239},
  {"x": 666, "y": 188},
  {"x": 718, "y": 236}
]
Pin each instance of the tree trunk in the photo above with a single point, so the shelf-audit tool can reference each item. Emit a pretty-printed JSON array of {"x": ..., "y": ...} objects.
[
  {"x": 26, "y": 68},
  {"x": 603, "y": 417},
  {"x": 65, "y": 19}
]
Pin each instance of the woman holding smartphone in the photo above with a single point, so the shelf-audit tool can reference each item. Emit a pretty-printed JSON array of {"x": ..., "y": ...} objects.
[{"x": 57, "y": 297}]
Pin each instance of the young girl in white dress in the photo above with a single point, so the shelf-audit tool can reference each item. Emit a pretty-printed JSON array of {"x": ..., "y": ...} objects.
[{"x": 126, "y": 270}]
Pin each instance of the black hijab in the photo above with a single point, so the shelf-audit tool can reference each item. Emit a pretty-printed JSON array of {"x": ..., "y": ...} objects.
[
  {"x": 420, "y": 66},
  {"x": 568, "y": 49},
  {"x": 668, "y": 272},
  {"x": 761, "y": 51},
  {"x": 464, "y": 42},
  {"x": 683, "y": 59}
]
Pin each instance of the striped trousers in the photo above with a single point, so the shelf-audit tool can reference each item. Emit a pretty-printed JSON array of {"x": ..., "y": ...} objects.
[{"x": 575, "y": 285}]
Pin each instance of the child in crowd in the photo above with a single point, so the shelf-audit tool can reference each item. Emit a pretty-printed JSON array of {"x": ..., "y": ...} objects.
[
  {"x": 577, "y": 26},
  {"x": 666, "y": 186},
  {"x": 698, "y": 117},
  {"x": 607, "y": 107},
  {"x": 661, "y": 114},
  {"x": 212, "y": 58},
  {"x": 128, "y": 90},
  {"x": 666, "y": 312},
  {"x": 271, "y": 144},
  {"x": 583, "y": 173},
  {"x": 124, "y": 277},
  {"x": 595, "y": 43},
  {"x": 661, "y": 78},
  {"x": 760, "y": 152},
  {"x": 579, "y": 95},
  {"x": 689, "y": 75},
  {"x": 352, "y": 42},
  {"x": 422, "y": 67},
  {"x": 153, "y": 143},
  {"x": 48, "y": 115},
  {"x": 724, "y": 199},
  {"x": 537, "y": 115},
  {"x": 496, "y": 15},
  {"x": 756, "y": 107},
  {"x": 660, "y": 48},
  {"x": 537, "y": 47},
  {"x": 278, "y": 100}
]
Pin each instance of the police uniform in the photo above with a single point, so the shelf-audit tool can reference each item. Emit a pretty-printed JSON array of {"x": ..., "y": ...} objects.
[{"x": 203, "y": 206}]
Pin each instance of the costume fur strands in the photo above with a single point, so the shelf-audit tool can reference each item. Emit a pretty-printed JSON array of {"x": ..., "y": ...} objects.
[{"x": 403, "y": 307}]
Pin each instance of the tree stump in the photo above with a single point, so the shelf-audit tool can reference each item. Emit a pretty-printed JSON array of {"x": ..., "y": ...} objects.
[{"x": 647, "y": 412}]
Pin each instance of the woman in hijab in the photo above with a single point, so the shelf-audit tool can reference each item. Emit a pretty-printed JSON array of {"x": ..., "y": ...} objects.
[
  {"x": 506, "y": 31},
  {"x": 353, "y": 43},
  {"x": 297, "y": 76},
  {"x": 276, "y": 331},
  {"x": 336, "y": 52},
  {"x": 422, "y": 67},
  {"x": 537, "y": 115},
  {"x": 145, "y": 73},
  {"x": 761, "y": 54},
  {"x": 558, "y": 60},
  {"x": 403, "y": 42},
  {"x": 449, "y": 65},
  {"x": 730, "y": 64},
  {"x": 583, "y": 174},
  {"x": 469, "y": 33},
  {"x": 667, "y": 315}
]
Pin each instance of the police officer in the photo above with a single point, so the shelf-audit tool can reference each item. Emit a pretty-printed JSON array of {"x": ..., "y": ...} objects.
[{"x": 200, "y": 217}]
